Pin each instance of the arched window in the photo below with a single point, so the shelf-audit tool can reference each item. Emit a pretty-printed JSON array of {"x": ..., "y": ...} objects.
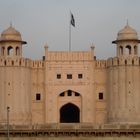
[
  {"x": 128, "y": 49},
  {"x": 62, "y": 94},
  {"x": 77, "y": 94},
  {"x": 17, "y": 51},
  {"x": 10, "y": 50},
  {"x": 69, "y": 93}
]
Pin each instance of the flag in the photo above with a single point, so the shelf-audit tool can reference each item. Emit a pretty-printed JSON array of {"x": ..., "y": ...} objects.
[{"x": 72, "y": 20}]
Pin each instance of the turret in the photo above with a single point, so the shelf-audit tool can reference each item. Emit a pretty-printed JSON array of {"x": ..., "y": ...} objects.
[
  {"x": 11, "y": 43},
  {"x": 123, "y": 79},
  {"x": 127, "y": 42},
  {"x": 15, "y": 78}
]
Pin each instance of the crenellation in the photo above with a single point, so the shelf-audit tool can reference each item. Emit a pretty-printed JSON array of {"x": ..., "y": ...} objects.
[
  {"x": 109, "y": 62},
  {"x": 37, "y": 64},
  {"x": 101, "y": 63},
  {"x": 123, "y": 61},
  {"x": 17, "y": 62},
  {"x": 69, "y": 56},
  {"x": 25, "y": 62},
  {"x": 115, "y": 61}
]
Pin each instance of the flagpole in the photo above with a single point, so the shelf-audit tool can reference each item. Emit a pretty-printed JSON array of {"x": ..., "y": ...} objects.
[{"x": 70, "y": 33}]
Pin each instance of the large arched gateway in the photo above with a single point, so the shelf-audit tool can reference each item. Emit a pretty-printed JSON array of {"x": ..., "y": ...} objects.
[{"x": 69, "y": 113}]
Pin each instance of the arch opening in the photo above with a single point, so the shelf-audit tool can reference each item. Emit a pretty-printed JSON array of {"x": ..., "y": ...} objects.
[
  {"x": 17, "y": 51},
  {"x": 10, "y": 51},
  {"x": 69, "y": 113},
  {"x": 128, "y": 50}
]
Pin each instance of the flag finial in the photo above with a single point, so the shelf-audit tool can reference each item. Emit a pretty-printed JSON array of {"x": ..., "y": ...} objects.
[
  {"x": 72, "y": 21},
  {"x": 10, "y": 23},
  {"x": 127, "y": 22}
]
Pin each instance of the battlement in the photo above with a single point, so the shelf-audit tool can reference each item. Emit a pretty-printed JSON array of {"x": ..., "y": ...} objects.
[
  {"x": 121, "y": 61},
  {"x": 15, "y": 62},
  {"x": 100, "y": 63},
  {"x": 37, "y": 64},
  {"x": 21, "y": 62},
  {"x": 69, "y": 56}
]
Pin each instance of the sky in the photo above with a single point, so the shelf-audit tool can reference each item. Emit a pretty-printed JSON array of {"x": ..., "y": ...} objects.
[{"x": 47, "y": 22}]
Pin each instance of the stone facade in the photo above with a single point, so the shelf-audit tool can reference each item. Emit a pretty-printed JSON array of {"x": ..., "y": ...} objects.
[{"x": 69, "y": 87}]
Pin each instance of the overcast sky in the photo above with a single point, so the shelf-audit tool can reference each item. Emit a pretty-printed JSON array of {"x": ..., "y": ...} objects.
[{"x": 47, "y": 21}]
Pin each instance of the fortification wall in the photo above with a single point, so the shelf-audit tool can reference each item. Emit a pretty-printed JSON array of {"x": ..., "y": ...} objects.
[
  {"x": 16, "y": 88},
  {"x": 100, "y": 84},
  {"x": 37, "y": 89},
  {"x": 123, "y": 89}
]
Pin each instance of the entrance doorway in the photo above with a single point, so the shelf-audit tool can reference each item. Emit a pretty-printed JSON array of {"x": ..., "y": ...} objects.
[{"x": 69, "y": 113}]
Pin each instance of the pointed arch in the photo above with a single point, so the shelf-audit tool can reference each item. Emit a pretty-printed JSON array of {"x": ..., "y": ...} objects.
[
  {"x": 10, "y": 51},
  {"x": 17, "y": 51},
  {"x": 69, "y": 93},
  {"x": 128, "y": 49},
  {"x": 69, "y": 113}
]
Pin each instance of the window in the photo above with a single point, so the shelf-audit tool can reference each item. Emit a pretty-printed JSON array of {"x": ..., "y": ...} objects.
[
  {"x": 100, "y": 96},
  {"x": 69, "y": 76},
  {"x": 69, "y": 93},
  {"x": 38, "y": 96},
  {"x": 77, "y": 94},
  {"x": 80, "y": 76},
  {"x": 58, "y": 76},
  {"x": 62, "y": 94}
]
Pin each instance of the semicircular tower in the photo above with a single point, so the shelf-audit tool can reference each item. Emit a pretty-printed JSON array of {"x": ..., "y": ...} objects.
[
  {"x": 15, "y": 79},
  {"x": 123, "y": 73}
]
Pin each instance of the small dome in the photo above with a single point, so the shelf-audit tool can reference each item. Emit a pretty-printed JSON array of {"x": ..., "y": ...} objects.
[
  {"x": 11, "y": 34},
  {"x": 127, "y": 33}
]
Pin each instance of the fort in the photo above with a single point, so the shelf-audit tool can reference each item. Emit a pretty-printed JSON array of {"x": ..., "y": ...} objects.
[{"x": 70, "y": 93}]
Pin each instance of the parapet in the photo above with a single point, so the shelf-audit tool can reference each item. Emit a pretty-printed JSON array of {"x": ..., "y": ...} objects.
[
  {"x": 121, "y": 61},
  {"x": 69, "y": 56},
  {"x": 37, "y": 64},
  {"x": 15, "y": 62},
  {"x": 21, "y": 62},
  {"x": 100, "y": 63}
]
